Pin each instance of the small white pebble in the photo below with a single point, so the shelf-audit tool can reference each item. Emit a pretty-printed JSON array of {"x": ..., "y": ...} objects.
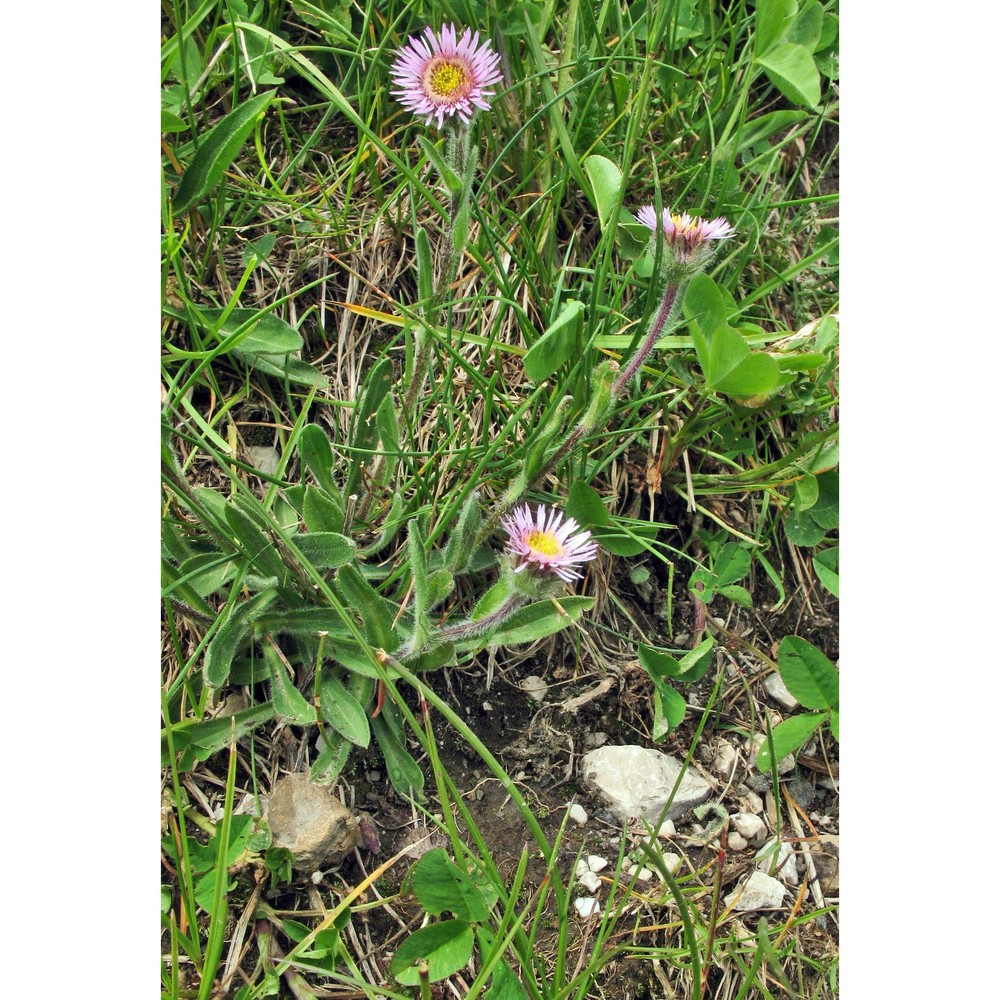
[
  {"x": 534, "y": 687},
  {"x": 487, "y": 706},
  {"x": 589, "y": 881},
  {"x": 582, "y": 867},
  {"x": 596, "y": 863},
  {"x": 578, "y": 814},
  {"x": 586, "y": 906},
  {"x": 644, "y": 875},
  {"x": 748, "y": 825},
  {"x": 736, "y": 842},
  {"x": 316, "y": 878},
  {"x": 667, "y": 830}
]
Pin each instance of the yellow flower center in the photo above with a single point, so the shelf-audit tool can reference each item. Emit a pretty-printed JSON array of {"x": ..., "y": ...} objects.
[
  {"x": 543, "y": 542},
  {"x": 445, "y": 78},
  {"x": 682, "y": 226}
]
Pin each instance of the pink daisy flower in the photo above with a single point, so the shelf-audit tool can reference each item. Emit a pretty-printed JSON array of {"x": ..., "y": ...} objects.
[
  {"x": 441, "y": 75},
  {"x": 544, "y": 540},
  {"x": 684, "y": 233}
]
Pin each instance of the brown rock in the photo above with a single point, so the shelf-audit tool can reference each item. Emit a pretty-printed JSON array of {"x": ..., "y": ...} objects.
[{"x": 311, "y": 822}]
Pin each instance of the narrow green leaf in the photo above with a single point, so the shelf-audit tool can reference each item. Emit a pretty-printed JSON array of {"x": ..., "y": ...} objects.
[
  {"x": 290, "y": 368},
  {"x": 206, "y": 572},
  {"x": 341, "y": 709},
  {"x": 539, "y": 620},
  {"x": 808, "y": 674},
  {"x": 403, "y": 771},
  {"x": 606, "y": 180},
  {"x": 835, "y": 725},
  {"x": 169, "y": 122},
  {"x": 218, "y": 148},
  {"x": 258, "y": 548},
  {"x": 331, "y": 760},
  {"x": 225, "y": 643},
  {"x": 211, "y": 736},
  {"x": 449, "y": 178},
  {"x": 317, "y": 456},
  {"x": 289, "y": 703},
  {"x": 462, "y": 540},
  {"x": 323, "y": 511},
  {"x": 425, "y": 266},
  {"x": 789, "y": 736},
  {"x": 326, "y": 549},
  {"x": 269, "y": 334},
  {"x": 765, "y": 126},
  {"x": 364, "y": 428},
  {"x": 446, "y": 946}
]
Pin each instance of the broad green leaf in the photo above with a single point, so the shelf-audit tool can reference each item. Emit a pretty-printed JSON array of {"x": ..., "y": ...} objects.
[
  {"x": 326, "y": 549},
  {"x": 738, "y": 595},
  {"x": 584, "y": 504},
  {"x": 789, "y": 736},
  {"x": 808, "y": 674},
  {"x": 441, "y": 885},
  {"x": 806, "y": 491},
  {"x": 505, "y": 985},
  {"x": 802, "y": 530},
  {"x": 790, "y": 67},
  {"x": 825, "y": 565},
  {"x": 704, "y": 303},
  {"x": 269, "y": 334},
  {"x": 317, "y": 456},
  {"x": 668, "y": 709},
  {"x": 772, "y": 20},
  {"x": 606, "y": 180},
  {"x": 403, "y": 770},
  {"x": 807, "y": 28},
  {"x": 539, "y": 620},
  {"x": 731, "y": 564},
  {"x": 218, "y": 148},
  {"x": 322, "y": 511},
  {"x": 696, "y": 662},
  {"x": 446, "y": 946},
  {"x": 289, "y": 703},
  {"x": 835, "y": 725},
  {"x": 826, "y": 511},
  {"x": 732, "y": 369},
  {"x": 556, "y": 345},
  {"x": 658, "y": 663},
  {"x": 341, "y": 709},
  {"x": 169, "y": 122}
]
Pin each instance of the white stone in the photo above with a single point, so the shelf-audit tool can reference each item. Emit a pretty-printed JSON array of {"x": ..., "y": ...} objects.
[
  {"x": 748, "y": 825},
  {"x": 725, "y": 759},
  {"x": 786, "y": 866},
  {"x": 761, "y": 892},
  {"x": 667, "y": 831},
  {"x": 775, "y": 687},
  {"x": 264, "y": 458},
  {"x": 736, "y": 842},
  {"x": 752, "y": 803},
  {"x": 578, "y": 814},
  {"x": 534, "y": 687},
  {"x": 586, "y": 906},
  {"x": 671, "y": 861},
  {"x": 589, "y": 881},
  {"x": 596, "y": 863},
  {"x": 581, "y": 867},
  {"x": 637, "y": 782}
]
